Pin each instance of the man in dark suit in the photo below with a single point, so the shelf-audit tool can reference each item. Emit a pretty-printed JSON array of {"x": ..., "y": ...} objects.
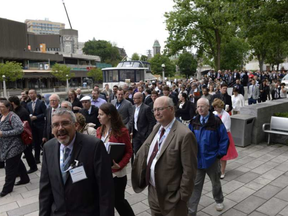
[
  {"x": 24, "y": 99},
  {"x": 148, "y": 98},
  {"x": 124, "y": 108},
  {"x": 166, "y": 163},
  {"x": 79, "y": 95},
  {"x": 36, "y": 109},
  {"x": 90, "y": 112},
  {"x": 223, "y": 95},
  {"x": 62, "y": 193},
  {"x": 142, "y": 121},
  {"x": 54, "y": 101}
]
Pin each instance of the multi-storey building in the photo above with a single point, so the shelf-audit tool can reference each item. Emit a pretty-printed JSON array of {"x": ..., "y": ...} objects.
[{"x": 44, "y": 26}]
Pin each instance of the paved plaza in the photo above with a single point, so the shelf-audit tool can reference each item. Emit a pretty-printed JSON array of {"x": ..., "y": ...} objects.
[{"x": 256, "y": 184}]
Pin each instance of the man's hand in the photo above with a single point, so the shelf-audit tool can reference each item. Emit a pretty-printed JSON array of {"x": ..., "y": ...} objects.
[{"x": 33, "y": 118}]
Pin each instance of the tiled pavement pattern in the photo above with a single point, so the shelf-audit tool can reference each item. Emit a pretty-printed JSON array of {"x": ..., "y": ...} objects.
[{"x": 256, "y": 184}]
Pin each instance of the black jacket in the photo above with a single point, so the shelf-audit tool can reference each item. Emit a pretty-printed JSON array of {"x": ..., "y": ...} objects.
[{"x": 92, "y": 117}]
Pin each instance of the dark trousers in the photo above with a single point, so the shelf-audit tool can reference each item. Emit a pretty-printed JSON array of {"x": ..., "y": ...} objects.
[
  {"x": 30, "y": 158},
  {"x": 37, "y": 134},
  {"x": 214, "y": 174},
  {"x": 251, "y": 101},
  {"x": 121, "y": 204},
  {"x": 14, "y": 166}
]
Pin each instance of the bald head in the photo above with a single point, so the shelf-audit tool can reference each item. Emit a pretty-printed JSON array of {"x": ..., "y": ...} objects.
[
  {"x": 138, "y": 98},
  {"x": 164, "y": 110}
]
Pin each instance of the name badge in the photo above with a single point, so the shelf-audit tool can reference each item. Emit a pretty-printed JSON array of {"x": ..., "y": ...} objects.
[{"x": 78, "y": 174}]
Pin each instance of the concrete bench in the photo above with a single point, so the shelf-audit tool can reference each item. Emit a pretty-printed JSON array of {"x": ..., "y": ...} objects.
[{"x": 278, "y": 125}]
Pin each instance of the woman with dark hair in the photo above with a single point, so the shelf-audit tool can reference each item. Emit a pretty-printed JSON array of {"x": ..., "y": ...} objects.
[
  {"x": 116, "y": 132},
  {"x": 11, "y": 147},
  {"x": 76, "y": 104},
  {"x": 185, "y": 110}
]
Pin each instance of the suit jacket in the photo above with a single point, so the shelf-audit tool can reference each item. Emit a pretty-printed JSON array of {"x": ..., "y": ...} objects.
[
  {"x": 90, "y": 197},
  {"x": 175, "y": 169},
  {"x": 254, "y": 93},
  {"x": 225, "y": 98},
  {"x": 126, "y": 112},
  {"x": 47, "y": 133},
  {"x": 92, "y": 117},
  {"x": 39, "y": 112},
  {"x": 148, "y": 100},
  {"x": 145, "y": 124}
]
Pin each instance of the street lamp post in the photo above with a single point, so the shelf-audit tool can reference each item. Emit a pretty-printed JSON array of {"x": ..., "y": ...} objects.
[
  {"x": 4, "y": 86},
  {"x": 163, "y": 72},
  {"x": 67, "y": 83}
]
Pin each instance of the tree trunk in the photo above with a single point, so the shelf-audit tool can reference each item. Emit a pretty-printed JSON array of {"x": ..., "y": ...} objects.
[
  {"x": 261, "y": 62},
  {"x": 218, "y": 49}
]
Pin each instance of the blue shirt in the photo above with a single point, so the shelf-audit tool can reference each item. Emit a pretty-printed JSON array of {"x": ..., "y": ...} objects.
[
  {"x": 205, "y": 118},
  {"x": 98, "y": 102}
]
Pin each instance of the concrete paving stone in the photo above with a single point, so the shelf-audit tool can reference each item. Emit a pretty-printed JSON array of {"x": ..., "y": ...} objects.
[
  {"x": 33, "y": 176},
  {"x": 144, "y": 214},
  {"x": 199, "y": 208},
  {"x": 266, "y": 157},
  {"x": 272, "y": 174},
  {"x": 18, "y": 190},
  {"x": 243, "y": 169},
  {"x": 250, "y": 204},
  {"x": 149, "y": 211},
  {"x": 245, "y": 160},
  {"x": 233, "y": 165},
  {"x": 130, "y": 190},
  {"x": 240, "y": 194},
  {"x": 267, "y": 192},
  {"x": 210, "y": 210},
  {"x": 30, "y": 193},
  {"x": 9, "y": 199},
  {"x": 272, "y": 206},
  {"x": 280, "y": 159},
  {"x": 32, "y": 186},
  {"x": 282, "y": 167},
  {"x": 281, "y": 181},
  {"x": 136, "y": 198},
  {"x": 3, "y": 214},
  {"x": 231, "y": 186},
  {"x": 257, "y": 154},
  {"x": 255, "y": 213},
  {"x": 24, "y": 210},
  {"x": 145, "y": 191},
  {"x": 202, "y": 214},
  {"x": 8, "y": 207},
  {"x": 139, "y": 208},
  {"x": 145, "y": 202},
  {"x": 254, "y": 185},
  {"x": 262, "y": 180},
  {"x": 28, "y": 201},
  {"x": 36, "y": 213},
  {"x": 254, "y": 164},
  {"x": 283, "y": 195},
  {"x": 207, "y": 186},
  {"x": 284, "y": 212},
  {"x": 206, "y": 201},
  {"x": 233, "y": 174},
  {"x": 247, "y": 177},
  {"x": 233, "y": 212},
  {"x": 262, "y": 169}
]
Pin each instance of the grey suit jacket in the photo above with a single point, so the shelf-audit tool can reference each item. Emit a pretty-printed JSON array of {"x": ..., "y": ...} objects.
[
  {"x": 126, "y": 112},
  {"x": 88, "y": 197},
  {"x": 253, "y": 93},
  {"x": 175, "y": 169}
]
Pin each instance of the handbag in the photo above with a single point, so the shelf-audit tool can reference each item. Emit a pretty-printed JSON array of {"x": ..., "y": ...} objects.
[{"x": 26, "y": 135}]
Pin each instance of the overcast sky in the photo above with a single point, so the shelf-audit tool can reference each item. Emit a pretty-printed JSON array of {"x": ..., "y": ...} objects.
[{"x": 131, "y": 24}]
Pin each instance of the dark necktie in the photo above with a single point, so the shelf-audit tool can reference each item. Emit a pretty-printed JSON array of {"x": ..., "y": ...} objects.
[
  {"x": 153, "y": 155},
  {"x": 203, "y": 121},
  {"x": 65, "y": 167}
]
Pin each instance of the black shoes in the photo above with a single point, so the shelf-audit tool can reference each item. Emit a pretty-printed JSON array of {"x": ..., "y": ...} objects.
[
  {"x": 32, "y": 170},
  {"x": 2, "y": 194},
  {"x": 21, "y": 182}
]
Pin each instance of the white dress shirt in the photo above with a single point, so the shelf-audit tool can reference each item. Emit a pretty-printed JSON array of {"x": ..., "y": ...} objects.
[
  {"x": 137, "y": 109},
  {"x": 162, "y": 142}
]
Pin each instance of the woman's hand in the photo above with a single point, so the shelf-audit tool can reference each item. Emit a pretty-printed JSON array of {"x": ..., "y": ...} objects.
[{"x": 115, "y": 165}]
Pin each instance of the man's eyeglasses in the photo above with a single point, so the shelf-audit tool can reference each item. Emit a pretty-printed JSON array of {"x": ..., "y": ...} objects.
[
  {"x": 63, "y": 124},
  {"x": 159, "y": 109}
]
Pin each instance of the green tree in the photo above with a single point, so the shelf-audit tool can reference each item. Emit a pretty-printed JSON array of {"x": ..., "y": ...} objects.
[
  {"x": 201, "y": 24},
  {"x": 156, "y": 65},
  {"x": 96, "y": 74},
  {"x": 11, "y": 70},
  {"x": 234, "y": 54},
  {"x": 61, "y": 72},
  {"x": 144, "y": 58},
  {"x": 135, "y": 56},
  {"x": 187, "y": 64},
  {"x": 104, "y": 49}
]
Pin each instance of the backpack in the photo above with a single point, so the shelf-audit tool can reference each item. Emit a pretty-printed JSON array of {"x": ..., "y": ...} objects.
[{"x": 26, "y": 135}]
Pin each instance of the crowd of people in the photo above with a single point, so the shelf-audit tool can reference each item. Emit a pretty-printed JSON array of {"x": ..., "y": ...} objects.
[{"x": 167, "y": 129}]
